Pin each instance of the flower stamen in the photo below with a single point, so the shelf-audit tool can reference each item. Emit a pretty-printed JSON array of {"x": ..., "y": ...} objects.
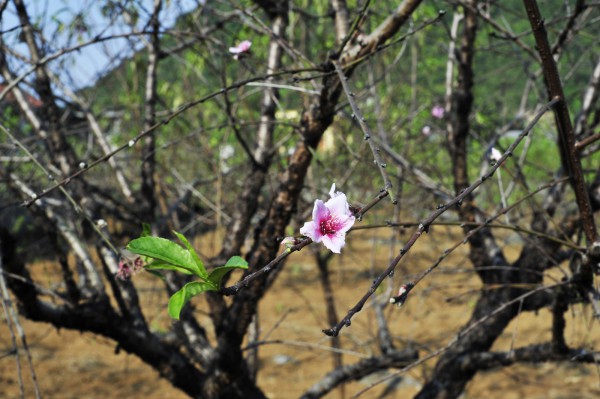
[{"x": 328, "y": 226}]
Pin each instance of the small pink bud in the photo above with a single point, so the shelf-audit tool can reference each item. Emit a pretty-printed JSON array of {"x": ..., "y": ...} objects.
[
  {"x": 289, "y": 241},
  {"x": 400, "y": 299}
]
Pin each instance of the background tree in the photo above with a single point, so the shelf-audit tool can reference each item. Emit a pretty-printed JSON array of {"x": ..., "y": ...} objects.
[{"x": 195, "y": 131}]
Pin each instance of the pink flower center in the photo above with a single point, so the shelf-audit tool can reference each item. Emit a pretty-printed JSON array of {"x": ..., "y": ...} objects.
[{"x": 328, "y": 226}]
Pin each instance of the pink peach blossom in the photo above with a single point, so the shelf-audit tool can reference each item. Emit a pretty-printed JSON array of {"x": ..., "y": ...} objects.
[
  {"x": 241, "y": 49},
  {"x": 331, "y": 221}
]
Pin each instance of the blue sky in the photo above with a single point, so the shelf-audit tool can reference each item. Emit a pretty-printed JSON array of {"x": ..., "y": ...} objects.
[{"x": 83, "y": 67}]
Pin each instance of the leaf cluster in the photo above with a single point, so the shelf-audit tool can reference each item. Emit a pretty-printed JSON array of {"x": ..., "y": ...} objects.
[{"x": 163, "y": 254}]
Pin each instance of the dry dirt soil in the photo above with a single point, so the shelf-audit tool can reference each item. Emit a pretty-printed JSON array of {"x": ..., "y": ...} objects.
[{"x": 70, "y": 364}]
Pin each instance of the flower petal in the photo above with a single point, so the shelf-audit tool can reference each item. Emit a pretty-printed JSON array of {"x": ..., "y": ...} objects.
[
  {"x": 245, "y": 45},
  {"x": 345, "y": 223},
  {"x": 338, "y": 205},
  {"x": 331, "y": 221},
  {"x": 320, "y": 211},
  {"x": 334, "y": 242},
  {"x": 332, "y": 192},
  {"x": 312, "y": 230}
]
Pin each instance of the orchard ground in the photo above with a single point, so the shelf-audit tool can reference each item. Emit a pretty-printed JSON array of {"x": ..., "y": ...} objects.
[{"x": 70, "y": 364}]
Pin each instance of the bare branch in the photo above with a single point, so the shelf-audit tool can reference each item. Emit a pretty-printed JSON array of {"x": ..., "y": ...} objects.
[
  {"x": 590, "y": 98},
  {"x": 569, "y": 155},
  {"x": 157, "y": 125},
  {"x": 387, "y": 183},
  {"x": 12, "y": 320},
  {"x": 341, "y": 19},
  {"x": 353, "y": 372},
  {"x": 424, "y": 227},
  {"x": 540, "y": 353}
]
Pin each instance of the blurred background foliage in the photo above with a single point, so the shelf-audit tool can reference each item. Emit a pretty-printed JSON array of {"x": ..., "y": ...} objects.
[{"x": 396, "y": 89}]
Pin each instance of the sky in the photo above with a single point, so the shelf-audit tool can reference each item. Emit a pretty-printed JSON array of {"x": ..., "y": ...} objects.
[{"x": 83, "y": 67}]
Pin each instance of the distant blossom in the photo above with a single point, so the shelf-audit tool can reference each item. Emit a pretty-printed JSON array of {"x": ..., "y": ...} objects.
[
  {"x": 331, "y": 221},
  {"x": 438, "y": 112},
  {"x": 494, "y": 155},
  {"x": 426, "y": 131},
  {"x": 226, "y": 151},
  {"x": 241, "y": 50}
]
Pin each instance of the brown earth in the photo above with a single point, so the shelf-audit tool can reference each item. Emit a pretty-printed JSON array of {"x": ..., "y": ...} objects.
[{"x": 70, "y": 364}]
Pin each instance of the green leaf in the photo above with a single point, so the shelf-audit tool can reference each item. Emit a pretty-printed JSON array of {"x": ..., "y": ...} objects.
[
  {"x": 217, "y": 274},
  {"x": 195, "y": 256},
  {"x": 161, "y": 265},
  {"x": 187, "y": 292},
  {"x": 237, "y": 261},
  {"x": 156, "y": 273},
  {"x": 165, "y": 250}
]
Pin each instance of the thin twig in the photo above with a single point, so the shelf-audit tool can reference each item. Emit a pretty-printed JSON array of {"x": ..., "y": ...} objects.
[
  {"x": 515, "y": 228},
  {"x": 69, "y": 197},
  {"x": 307, "y": 345},
  {"x": 7, "y": 308},
  {"x": 426, "y": 223},
  {"x": 285, "y": 87},
  {"x": 301, "y": 243},
  {"x": 354, "y": 28},
  {"x": 51, "y": 57},
  {"x": 234, "y": 126},
  {"x": 387, "y": 183},
  {"x": 359, "y": 59},
  {"x": 479, "y": 227},
  {"x": 580, "y": 145},
  {"x": 460, "y": 335},
  {"x": 507, "y": 34},
  {"x": 382, "y": 194},
  {"x": 13, "y": 320},
  {"x": 165, "y": 121},
  {"x": 234, "y": 289}
]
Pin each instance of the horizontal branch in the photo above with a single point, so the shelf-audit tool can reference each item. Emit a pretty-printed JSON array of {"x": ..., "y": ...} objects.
[
  {"x": 530, "y": 354},
  {"x": 353, "y": 372}
]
